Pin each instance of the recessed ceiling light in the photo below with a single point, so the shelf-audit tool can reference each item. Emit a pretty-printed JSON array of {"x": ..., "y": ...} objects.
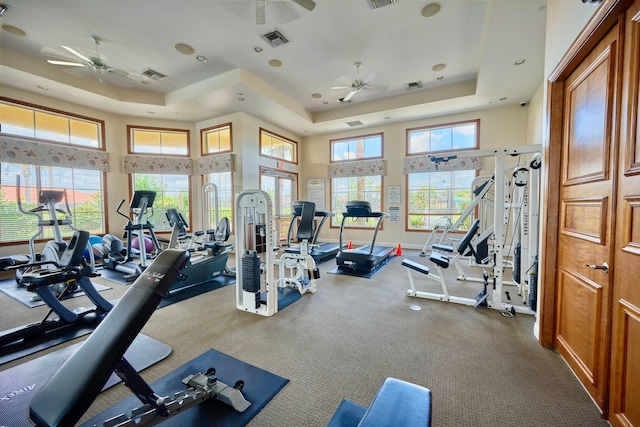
[
  {"x": 151, "y": 112},
  {"x": 387, "y": 117},
  {"x": 275, "y": 63},
  {"x": 184, "y": 49},
  {"x": 504, "y": 98},
  {"x": 325, "y": 102},
  {"x": 240, "y": 99},
  {"x": 519, "y": 62},
  {"x": 439, "y": 77},
  {"x": 431, "y": 10},
  {"x": 201, "y": 58},
  {"x": 257, "y": 49},
  {"x": 13, "y": 30},
  {"x": 316, "y": 95},
  {"x": 439, "y": 67}
]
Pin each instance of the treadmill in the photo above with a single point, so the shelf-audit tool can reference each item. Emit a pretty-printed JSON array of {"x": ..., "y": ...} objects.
[
  {"x": 365, "y": 258},
  {"x": 320, "y": 252}
]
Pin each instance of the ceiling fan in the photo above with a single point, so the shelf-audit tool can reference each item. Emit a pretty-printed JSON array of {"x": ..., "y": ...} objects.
[
  {"x": 371, "y": 83},
  {"x": 77, "y": 59},
  {"x": 261, "y": 8}
]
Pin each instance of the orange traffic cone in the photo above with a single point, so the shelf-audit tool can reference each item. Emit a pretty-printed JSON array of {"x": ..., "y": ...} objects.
[
  {"x": 398, "y": 250},
  {"x": 350, "y": 245}
]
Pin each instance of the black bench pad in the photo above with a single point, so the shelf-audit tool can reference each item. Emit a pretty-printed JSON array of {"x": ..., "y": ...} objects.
[
  {"x": 415, "y": 266},
  {"x": 74, "y": 387},
  {"x": 439, "y": 259}
]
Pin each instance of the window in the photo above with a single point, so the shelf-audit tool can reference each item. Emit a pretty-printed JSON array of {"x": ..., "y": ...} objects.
[
  {"x": 172, "y": 191},
  {"x": 44, "y": 128},
  {"x": 216, "y": 139},
  {"x": 224, "y": 182},
  {"x": 278, "y": 147},
  {"x": 170, "y": 142},
  {"x": 367, "y": 187},
  {"x": 440, "y": 196},
  {"x": 85, "y": 196},
  {"x": 53, "y": 126}
]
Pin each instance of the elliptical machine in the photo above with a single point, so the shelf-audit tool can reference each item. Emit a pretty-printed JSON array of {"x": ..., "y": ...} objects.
[
  {"x": 49, "y": 206},
  {"x": 115, "y": 256}
]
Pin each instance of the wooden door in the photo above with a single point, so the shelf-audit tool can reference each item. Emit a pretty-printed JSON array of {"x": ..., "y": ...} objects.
[
  {"x": 587, "y": 216},
  {"x": 625, "y": 351}
]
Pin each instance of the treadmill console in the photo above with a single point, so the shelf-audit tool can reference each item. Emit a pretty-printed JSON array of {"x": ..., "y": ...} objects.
[{"x": 358, "y": 208}]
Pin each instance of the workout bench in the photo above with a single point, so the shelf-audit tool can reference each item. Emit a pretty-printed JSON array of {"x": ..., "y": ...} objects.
[
  {"x": 76, "y": 384},
  {"x": 442, "y": 262},
  {"x": 397, "y": 403}
]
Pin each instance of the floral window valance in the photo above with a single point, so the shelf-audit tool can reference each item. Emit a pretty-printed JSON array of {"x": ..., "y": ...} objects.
[
  {"x": 417, "y": 164},
  {"x": 158, "y": 164},
  {"x": 357, "y": 168},
  {"x": 33, "y": 152},
  {"x": 215, "y": 163}
]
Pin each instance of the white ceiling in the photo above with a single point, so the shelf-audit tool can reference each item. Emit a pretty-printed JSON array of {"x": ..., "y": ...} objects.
[{"x": 478, "y": 40}]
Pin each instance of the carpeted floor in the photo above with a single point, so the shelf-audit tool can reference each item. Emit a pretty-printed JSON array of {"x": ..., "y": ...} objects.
[{"x": 343, "y": 341}]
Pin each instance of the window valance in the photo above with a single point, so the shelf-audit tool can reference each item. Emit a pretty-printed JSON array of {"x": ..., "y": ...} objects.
[
  {"x": 358, "y": 168},
  {"x": 34, "y": 152},
  {"x": 158, "y": 164},
  {"x": 215, "y": 163},
  {"x": 417, "y": 164}
]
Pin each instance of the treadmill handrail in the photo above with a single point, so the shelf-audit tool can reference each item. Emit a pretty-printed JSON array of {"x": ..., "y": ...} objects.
[{"x": 380, "y": 217}]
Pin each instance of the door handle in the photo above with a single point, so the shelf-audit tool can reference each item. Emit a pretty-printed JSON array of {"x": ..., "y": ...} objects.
[{"x": 604, "y": 267}]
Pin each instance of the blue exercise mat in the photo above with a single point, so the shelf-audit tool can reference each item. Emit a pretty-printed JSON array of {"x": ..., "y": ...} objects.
[
  {"x": 260, "y": 387},
  {"x": 20, "y": 293},
  {"x": 182, "y": 294},
  {"x": 352, "y": 272},
  {"x": 287, "y": 296},
  {"x": 19, "y": 384}
]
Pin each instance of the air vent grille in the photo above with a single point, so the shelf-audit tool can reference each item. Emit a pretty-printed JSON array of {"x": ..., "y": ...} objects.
[
  {"x": 275, "y": 38},
  {"x": 355, "y": 123},
  {"x": 377, "y": 4},
  {"x": 153, "y": 74},
  {"x": 412, "y": 85}
]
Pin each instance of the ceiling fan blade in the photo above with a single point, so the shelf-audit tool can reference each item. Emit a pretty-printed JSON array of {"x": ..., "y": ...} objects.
[
  {"x": 76, "y": 53},
  {"x": 67, "y": 63},
  {"x": 340, "y": 87},
  {"x": 307, "y": 4},
  {"x": 349, "y": 96}
]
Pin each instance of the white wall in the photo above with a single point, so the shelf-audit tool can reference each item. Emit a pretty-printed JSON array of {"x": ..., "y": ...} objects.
[{"x": 499, "y": 127}]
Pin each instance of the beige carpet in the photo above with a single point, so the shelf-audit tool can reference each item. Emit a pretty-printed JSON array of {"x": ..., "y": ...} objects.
[{"x": 342, "y": 342}]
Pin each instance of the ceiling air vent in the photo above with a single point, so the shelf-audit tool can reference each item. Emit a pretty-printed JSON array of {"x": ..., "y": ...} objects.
[
  {"x": 377, "y": 4},
  {"x": 355, "y": 123},
  {"x": 412, "y": 85},
  {"x": 153, "y": 74},
  {"x": 275, "y": 38}
]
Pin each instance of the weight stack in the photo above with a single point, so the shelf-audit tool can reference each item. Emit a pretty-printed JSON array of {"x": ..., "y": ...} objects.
[
  {"x": 251, "y": 275},
  {"x": 533, "y": 285}
]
